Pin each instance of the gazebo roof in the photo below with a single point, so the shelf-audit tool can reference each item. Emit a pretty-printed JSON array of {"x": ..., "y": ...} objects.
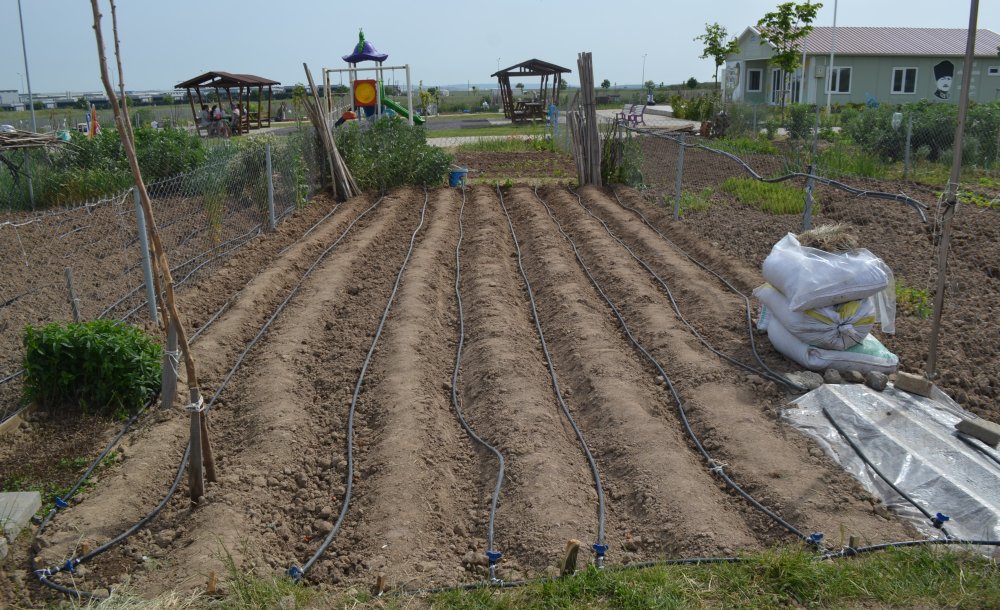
[
  {"x": 531, "y": 67},
  {"x": 364, "y": 51},
  {"x": 226, "y": 79}
]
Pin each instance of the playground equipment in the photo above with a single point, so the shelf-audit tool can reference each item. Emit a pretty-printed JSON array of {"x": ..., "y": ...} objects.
[{"x": 368, "y": 95}]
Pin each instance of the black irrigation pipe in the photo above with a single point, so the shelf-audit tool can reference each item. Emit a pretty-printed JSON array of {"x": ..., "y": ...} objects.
[
  {"x": 680, "y": 316},
  {"x": 296, "y": 573},
  {"x": 492, "y": 554},
  {"x": 713, "y": 466},
  {"x": 937, "y": 520},
  {"x": 600, "y": 548},
  {"x": 913, "y": 203},
  {"x": 727, "y": 283},
  {"x": 968, "y": 441},
  {"x": 44, "y": 574}
]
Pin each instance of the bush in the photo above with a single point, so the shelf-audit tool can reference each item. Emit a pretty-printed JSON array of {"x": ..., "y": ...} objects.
[
  {"x": 800, "y": 120},
  {"x": 390, "y": 153},
  {"x": 100, "y": 367}
]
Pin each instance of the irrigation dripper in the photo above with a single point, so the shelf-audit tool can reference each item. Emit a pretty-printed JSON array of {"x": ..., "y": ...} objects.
[
  {"x": 816, "y": 539},
  {"x": 60, "y": 503},
  {"x": 494, "y": 557},
  {"x": 295, "y": 573},
  {"x": 939, "y": 520},
  {"x": 599, "y": 551}
]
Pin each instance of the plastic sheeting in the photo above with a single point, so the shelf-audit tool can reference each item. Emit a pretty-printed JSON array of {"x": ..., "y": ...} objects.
[{"x": 913, "y": 441}]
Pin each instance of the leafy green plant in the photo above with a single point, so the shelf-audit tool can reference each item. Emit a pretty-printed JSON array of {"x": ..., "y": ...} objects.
[
  {"x": 745, "y": 146},
  {"x": 390, "y": 153},
  {"x": 773, "y": 198},
  {"x": 99, "y": 367},
  {"x": 843, "y": 159},
  {"x": 692, "y": 202},
  {"x": 800, "y": 120},
  {"x": 913, "y": 301},
  {"x": 621, "y": 157}
]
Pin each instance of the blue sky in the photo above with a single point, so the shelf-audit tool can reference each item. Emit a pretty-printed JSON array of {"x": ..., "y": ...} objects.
[{"x": 445, "y": 42}]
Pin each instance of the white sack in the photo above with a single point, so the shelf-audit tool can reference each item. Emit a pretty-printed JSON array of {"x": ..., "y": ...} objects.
[
  {"x": 869, "y": 355},
  {"x": 835, "y": 327}
]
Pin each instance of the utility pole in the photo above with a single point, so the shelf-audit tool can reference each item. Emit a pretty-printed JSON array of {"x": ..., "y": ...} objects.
[
  {"x": 642, "y": 83},
  {"x": 31, "y": 104},
  {"x": 829, "y": 68}
]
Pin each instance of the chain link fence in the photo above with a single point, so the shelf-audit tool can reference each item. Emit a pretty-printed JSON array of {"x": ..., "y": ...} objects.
[{"x": 204, "y": 217}]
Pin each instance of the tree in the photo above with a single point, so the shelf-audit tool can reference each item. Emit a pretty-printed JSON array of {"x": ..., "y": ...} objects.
[
  {"x": 520, "y": 88},
  {"x": 692, "y": 83},
  {"x": 562, "y": 84},
  {"x": 605, "y": 84},
  {"x": 649, "y": 85},
  {"x": 82, "y": 103},
  {"x": 168, "y": 100},
  {"x": 716, "y": 46},
  {"x": 298, "y": 96},
  {"x": 784, "y": 29}
]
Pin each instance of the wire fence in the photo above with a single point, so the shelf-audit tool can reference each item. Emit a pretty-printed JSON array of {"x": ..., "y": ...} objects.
[{"x": 204, "y": 217}]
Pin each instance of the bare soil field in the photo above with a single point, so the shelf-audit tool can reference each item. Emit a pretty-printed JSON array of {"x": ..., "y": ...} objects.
[{"x": 340, "y": 419}]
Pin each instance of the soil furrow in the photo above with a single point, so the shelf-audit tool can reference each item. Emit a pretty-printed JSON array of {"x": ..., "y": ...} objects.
[
  {"x": 654, "y": 482},
  {"x": 507, "y": 396},
  {"x": 733, "y": 413}
]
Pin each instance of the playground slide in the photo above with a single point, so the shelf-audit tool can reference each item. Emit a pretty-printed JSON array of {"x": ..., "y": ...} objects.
[{"x": 419, "y": 120}]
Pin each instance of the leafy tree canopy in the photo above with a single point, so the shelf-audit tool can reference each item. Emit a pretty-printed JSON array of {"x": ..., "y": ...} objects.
[
  {"x": 716, "y": 45},
  {"x": 785, "y": 28}
]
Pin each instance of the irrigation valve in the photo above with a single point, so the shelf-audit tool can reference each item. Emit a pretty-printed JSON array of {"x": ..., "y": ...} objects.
[
  {"x": 494, "y": 557},
  {"x": 816, "y": 538},
  {"x": 599, "y": 550},
  {"x": 939, "y": 520},
  {"x": 295, "y": 573}
]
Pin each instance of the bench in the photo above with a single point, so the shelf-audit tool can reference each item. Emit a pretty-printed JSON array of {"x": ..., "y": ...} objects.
[
  {"x": 635, "y": 116},
  {"x": 625, "y": 112}
]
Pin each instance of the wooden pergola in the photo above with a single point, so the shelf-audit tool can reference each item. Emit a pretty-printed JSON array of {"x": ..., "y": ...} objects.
[
  {"x": 244, "y": 84},
  {"x": 22, "y": 141},
  {"x": 518, "y": 111}
]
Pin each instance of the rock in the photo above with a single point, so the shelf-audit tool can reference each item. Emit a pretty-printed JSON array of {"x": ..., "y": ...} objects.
[
  {"x": 322, "y": 526},
  {"x": 165, "y": 537},
  {"x": 3, "y": 548},
  {"x": 853, "y": 377},
  {"x": 301, "y": 479},
  {"x": 807, "y": 379},
  {"x": 876, "y": 381},
  {"x": 658, "y": 380},
  {"x": 832, "y": 376},
  {"x": 326, "y": 512}
]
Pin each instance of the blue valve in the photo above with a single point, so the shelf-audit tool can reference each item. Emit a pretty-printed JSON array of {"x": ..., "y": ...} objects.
[
  {"x": 816, "y": 538},
  {"x": 939, "y": 520},
  {"x": 295, "y": 573},
  {"x": 69, "y": 566},
  {"x": 600, "y": 549},
  {"x": 60, "y": 503},
  {"x": 493, "y": 556}
]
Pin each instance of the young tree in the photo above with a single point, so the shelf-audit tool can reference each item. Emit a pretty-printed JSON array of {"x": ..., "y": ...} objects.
[
  {"x": 562, "y": 84},
  {"x": 520, "y": 87},
  {"x": 784, "y": 29},
  {"x": 716, "y": 46},
  {"x": 692, "y": 83},
  {"x": 298, "y": 96},
  {"x": 605, "y": 84}
]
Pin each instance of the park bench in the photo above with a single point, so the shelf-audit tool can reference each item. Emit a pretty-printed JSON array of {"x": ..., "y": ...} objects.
[
  {"x": 635, "y": 116},
  {"x": 625, "y": 112}
]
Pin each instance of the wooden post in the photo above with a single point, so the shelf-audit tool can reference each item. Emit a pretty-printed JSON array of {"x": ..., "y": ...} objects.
[
  {"x": 807, "y": 213},
  {"x": 74, "y": 302},
  {"x": 168, "y": 375},
  {"x": 679, "y": 185}
]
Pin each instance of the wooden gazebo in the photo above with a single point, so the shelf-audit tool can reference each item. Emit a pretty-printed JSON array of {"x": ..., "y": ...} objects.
[
  {"x": 520, "y": 110},
  {"x": 244, "y": 85}
]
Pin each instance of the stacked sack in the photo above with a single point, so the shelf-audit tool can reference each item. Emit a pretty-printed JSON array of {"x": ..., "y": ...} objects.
[{"x": 819, "y": 307}]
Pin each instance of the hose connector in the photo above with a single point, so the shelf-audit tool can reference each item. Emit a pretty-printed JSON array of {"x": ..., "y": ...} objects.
[
  {"x": 494, "y": 557},
  {"x": 599, "y": 551},
  {"x": 816, "y": 539},
  {"x": 69, "y": 566},
  {"x": 295, "y": 573},
  {"x": 60, "y": 503},
  {"x": 939, "y": 520}
]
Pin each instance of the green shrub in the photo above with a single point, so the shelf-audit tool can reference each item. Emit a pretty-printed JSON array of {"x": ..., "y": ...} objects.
[
  {"x": 390, "y": 153},
  {"x": 99, "y": 367},
  {"x": 773, "y": 198},
  {"x": 913, "y": 301},
  {"x": 800, "y": 120},
  {"x": 621, "y": 158}
]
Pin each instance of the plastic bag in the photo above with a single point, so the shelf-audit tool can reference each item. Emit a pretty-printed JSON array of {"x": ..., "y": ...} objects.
[
  {"x": 869, "y": 355},
  {"x": 810, "y": 278},
  {"x": 835, "y": 327}
]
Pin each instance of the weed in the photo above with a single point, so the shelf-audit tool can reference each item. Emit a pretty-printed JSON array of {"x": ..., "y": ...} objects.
[
  {"x": 745, "y": 146},
  {"x": 692, "y": 202},
  {"x": 773, "y": 198},
  {"x": 913, "y": 301},
  {"x": 508, "y": 144}
]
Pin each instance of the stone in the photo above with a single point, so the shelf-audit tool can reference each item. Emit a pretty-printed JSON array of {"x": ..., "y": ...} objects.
[
  {"x": 853, "y": 377},
  {"x": 876, "y": 381},
  {"x": 3, "y": 548},
  {"x": 914, "y": 384},
  {"x": 983, "y": 429},
  {"x": 323, "y": 526},
  {"x": 832, "y": 376},
  {"x": 16, "y": 510},
  {"x": 165, "y": 537},
  {"x": 807, "y": 379}
]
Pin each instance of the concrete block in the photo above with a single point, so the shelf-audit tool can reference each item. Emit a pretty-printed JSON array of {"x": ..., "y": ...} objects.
[
  {"x": 914, "y": 384},
  {"x": 16, "y": 510},
  {"x": 983, "y": 429}
]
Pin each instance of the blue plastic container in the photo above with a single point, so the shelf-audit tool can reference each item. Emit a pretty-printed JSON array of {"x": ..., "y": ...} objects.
[{"x": 457, "y": 176}]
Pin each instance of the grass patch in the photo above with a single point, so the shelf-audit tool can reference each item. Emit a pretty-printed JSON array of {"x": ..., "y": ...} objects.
[
  {"x": 745, "y": 146},
  {"x": 509, "y": 145},
  {"x": 913, "y": 301},
  {"x": 690, "y": 201},
  {"x": 773, "y": 198},
  {"x": 535, "y": 131},
  {"x": 840, "y": 160}
]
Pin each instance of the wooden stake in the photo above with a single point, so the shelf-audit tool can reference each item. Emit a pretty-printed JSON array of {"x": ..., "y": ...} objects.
[
  {"x": 568, "y": 567},
  {"x": 212, "y": 587},
  {"x": 74, "y": 302},
  {"x": 379, "y": 586}
]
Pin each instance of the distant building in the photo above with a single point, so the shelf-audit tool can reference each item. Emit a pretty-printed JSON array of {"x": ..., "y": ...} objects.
[{"x": 9, "y": 97}]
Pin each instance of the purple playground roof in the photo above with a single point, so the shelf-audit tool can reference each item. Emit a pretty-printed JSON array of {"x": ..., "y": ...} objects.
[{"x": 364, "y": 51}]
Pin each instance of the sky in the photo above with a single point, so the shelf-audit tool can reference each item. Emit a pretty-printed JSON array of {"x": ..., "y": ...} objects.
[{"x": 444, "y": 42}]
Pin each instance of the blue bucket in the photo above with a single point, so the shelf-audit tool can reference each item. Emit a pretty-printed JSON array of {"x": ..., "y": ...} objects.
[{"x": 457, "y": 176}]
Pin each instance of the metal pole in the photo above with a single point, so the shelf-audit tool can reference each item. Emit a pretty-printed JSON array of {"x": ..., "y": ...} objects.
[
  {"x": 147, "y": 264},
  {"x": 829, "y": 68},
  {"x": 807, "y": 215},
  {"x": 31, "y": 105},
  {"x": 680, "y": 178},
  {"x": 906, "y": 152},
  {"x": 273, "y": 223},
  {"x": 951, "y": 198},
  {"x": 196, "y": 472},
  {"x": 409, "y": 96}
]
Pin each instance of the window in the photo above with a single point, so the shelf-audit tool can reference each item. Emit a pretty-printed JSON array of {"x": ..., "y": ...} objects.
[
  {"x": 904, "y": 80},
  {"x": 993, "y": 71},
  {"x": 754, "y": 78},
  {"x": 840, "y": 80}
]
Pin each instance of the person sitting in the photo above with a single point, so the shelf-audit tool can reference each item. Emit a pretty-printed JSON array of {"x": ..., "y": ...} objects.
[
  {"x": 219, "y": 127},
  {"x": 236, "y": 121},
  {"x": 204, "y": 119}
]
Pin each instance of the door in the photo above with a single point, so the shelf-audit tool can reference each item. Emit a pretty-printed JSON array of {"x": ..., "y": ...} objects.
[{"x": 776, "y": 85}]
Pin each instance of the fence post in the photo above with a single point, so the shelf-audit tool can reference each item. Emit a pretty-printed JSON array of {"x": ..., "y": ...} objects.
[
  {"x": 808, "y": 213},
  {"x": 171, "y": 359},
  {"x": 906, "y": 152},
  {"x": 680, "y": 178},
  {"x": 147, "y": 264},
  {"x": 755, "y": 132},
  {"x": 270, "y": 188},
  {"x": 73, "y": 301}
]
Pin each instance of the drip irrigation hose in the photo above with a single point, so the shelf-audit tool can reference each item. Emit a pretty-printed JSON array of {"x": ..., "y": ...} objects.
[
  {"x": 44, "y": 574},
  {"x": 492, "y": 554},
  {"x": 920, "y": 208},
  {"x": 975, "y": 445},
  {"x": 296, "y": 573},
  {"x": 600, "y": 548},
  {"x": 746, "y": 300},
  {"x": 713, "y": 466},
  {"x": 677, "y": 310},
  {"x": 937, "y": 520}
]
